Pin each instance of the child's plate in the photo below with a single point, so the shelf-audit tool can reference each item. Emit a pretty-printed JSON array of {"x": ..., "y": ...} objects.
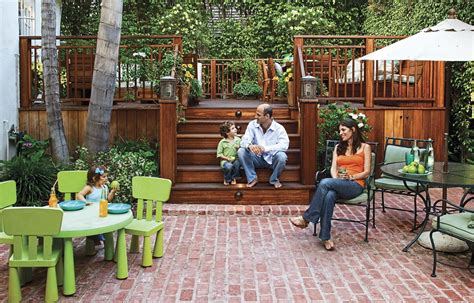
[
  {"x": 72, "y": 205},
  {"x": 118, "y": 208}
]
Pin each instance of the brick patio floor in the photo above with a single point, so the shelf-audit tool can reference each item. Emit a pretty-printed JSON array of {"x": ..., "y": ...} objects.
[{"x": 219, "y": 253}]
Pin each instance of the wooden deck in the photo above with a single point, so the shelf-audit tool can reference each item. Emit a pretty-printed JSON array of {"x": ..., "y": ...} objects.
[{"x": 394, "y": 107}]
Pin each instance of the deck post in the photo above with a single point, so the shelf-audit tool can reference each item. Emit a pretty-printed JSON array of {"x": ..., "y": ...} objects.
[
  {"x": 213, "y": 79},
  {"x": 439, "y": 83},
  {"x": 168, "y": 125},
  {"x": 369, "y": 74},
  {"x": 25, "y": 72},
  {"x": 309, "y": 140}
]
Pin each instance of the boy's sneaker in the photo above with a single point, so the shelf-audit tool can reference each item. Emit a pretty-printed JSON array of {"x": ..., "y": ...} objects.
[
  {"x": 233, "y": 182},
  {"x": 226, "y": 183}
]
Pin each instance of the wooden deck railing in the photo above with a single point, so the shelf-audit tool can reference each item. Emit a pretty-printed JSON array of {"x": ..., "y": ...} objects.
[
  {"x": 217, "y": 78},
  {"x": 334, "y": 61},
  {"x": 137, "y": 71}
]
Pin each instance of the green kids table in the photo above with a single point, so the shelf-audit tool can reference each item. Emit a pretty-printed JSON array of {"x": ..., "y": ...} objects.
[{"x": 86, "y": 222}]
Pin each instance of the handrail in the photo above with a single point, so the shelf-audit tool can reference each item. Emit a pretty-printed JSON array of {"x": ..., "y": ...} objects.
[
  {"x": 334, "y": 61},
  {"x": 300, "y": 58},
  {"x": 175, "y": 55}
]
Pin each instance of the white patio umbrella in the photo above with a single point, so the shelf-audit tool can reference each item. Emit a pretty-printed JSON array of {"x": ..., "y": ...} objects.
[{"x": 449, "y": 40}]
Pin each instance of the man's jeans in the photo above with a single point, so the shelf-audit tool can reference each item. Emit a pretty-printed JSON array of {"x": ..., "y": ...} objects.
[
  {"x": 251, "y": 161},
  {"x": 322, "y": 203},
  {"x": 231, "y": 170}
]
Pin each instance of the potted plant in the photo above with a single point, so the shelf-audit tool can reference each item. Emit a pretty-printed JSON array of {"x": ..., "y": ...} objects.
[{"x": 185, "y": 76}]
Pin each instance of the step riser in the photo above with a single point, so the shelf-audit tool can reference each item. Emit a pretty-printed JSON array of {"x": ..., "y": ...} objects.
[
  {"x": 213, "y": 128},
  {"x": 211, "y": 143},
  {"x": 229, "y": 113},
  {"x": 249, "y": 196},
  {"x": 216, "y": 176},
  {"x": 190, "y": 158}
]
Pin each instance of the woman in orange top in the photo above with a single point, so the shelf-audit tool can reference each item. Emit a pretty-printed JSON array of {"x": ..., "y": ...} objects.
[{"x": 349, "y": 170}]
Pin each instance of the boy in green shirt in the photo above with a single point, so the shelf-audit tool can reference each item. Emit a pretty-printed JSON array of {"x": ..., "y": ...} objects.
[{"x": 227, "y": 152}]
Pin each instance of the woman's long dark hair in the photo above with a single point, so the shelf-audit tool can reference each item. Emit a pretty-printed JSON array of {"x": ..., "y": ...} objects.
[{"x": 357, "y": 138}]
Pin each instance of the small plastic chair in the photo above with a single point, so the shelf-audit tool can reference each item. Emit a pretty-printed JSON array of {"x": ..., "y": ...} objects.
[
  {"x": 7, "y": 198},
  {"x": 26, "y": 225},
  {"x": 148, "y": 191},
  {"x": 70, "y": 182}
]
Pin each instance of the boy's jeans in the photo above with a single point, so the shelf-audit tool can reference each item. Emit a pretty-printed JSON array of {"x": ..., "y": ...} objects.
[{"x": 231, "y": 170}]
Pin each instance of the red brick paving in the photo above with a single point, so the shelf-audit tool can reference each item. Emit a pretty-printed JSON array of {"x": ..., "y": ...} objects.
[{"x": 225, "y": 253}]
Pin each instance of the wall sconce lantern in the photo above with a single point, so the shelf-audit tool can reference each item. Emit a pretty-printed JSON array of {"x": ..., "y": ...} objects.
[
  {"x": 308, "y": 87},
  {"x": 168, "y": 88}
]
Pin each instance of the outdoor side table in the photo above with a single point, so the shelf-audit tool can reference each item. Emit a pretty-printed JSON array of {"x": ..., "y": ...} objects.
[
  {"x": 459, "y": 175},
  {"x": 86, "y": 222}
]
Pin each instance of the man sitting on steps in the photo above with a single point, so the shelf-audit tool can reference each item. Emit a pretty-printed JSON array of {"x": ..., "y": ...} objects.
[{"x": 263, "y": 146}]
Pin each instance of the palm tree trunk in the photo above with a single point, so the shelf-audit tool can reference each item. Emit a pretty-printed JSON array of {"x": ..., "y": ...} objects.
[
  {"x": 49, "y": 57},
  {"x": 103, "y": 79}
]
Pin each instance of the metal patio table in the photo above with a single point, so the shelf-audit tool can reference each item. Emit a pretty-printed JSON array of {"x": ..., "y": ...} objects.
[{"x": 458, "y": 175}]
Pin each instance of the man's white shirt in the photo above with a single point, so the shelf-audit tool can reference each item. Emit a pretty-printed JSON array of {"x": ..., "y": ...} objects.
[{"x": 274, "y": 140}]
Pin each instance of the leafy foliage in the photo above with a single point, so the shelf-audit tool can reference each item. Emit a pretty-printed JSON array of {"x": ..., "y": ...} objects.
[
  {"x": 247, "y": 89},
  {"x": 264, "y": 28},
  {"x": 330, "y": 118},
  {"x": 33, "y": 171},
  {"x": 34, "y": 178},
  {"x": 189, "y": 21},
  {"x": 124, "y": 161}
]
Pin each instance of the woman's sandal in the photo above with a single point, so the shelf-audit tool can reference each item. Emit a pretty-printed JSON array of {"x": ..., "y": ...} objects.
[
  {"x": 299, "y": 222},
  {"x": 328, "y": 245}
]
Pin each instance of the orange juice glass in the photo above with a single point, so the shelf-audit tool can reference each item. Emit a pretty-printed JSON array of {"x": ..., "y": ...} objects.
[{"x": 103, "y": 205}]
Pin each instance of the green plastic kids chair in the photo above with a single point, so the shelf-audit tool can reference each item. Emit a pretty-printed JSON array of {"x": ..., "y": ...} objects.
[
  {"x": 26, "y": 225},
  {"x": 7, "y": 198},
  {"x": 150, "y": 193}
]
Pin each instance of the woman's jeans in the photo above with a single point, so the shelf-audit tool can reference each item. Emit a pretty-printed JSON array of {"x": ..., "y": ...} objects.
[
  {"x": 231, "y": 170},
  {"x": 323, "y": 201}
]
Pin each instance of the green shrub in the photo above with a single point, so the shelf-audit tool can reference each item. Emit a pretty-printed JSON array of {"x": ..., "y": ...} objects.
[
  {"x": 123, "y": 161},
  {"x": 247, "y": 89},
  {"x": 331, "y": 116},
  {"x": 34, "y": 178}
]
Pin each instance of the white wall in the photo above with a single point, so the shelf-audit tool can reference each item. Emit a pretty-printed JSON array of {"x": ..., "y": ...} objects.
[{"x": 9, "y": 94}]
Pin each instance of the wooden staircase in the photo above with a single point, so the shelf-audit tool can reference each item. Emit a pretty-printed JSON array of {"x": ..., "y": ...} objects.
[{"x": 199, "y": 178}]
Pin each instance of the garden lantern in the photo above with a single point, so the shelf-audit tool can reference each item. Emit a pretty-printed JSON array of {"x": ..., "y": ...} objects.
[
  {"x": 168, "y": 88},
  {"x": 308, "y": 87}
]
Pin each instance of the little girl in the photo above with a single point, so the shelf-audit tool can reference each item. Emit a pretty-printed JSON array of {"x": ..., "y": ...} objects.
[
  {"x": 95, "y": 187},
  {"x": 94, "y": 191}
]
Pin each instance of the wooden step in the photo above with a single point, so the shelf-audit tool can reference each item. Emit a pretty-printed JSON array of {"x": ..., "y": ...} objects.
[
  {"x": 213, "y": 173},
  {"x": 208, "y": 156},
  {"x": 261, "y": 194},
  {"x": 212, "y": 126},
  {"x": 210, "y": 141},
  {"x": 247, "y": 114}
]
